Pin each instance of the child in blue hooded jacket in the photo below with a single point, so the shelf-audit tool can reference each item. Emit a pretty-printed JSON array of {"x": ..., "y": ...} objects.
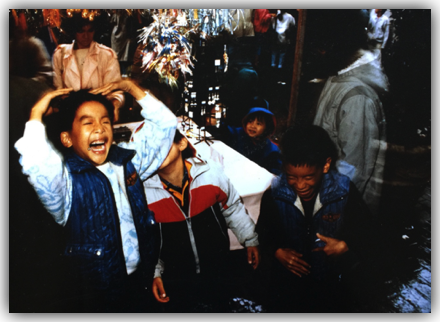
[{"x": 252, "y": 139}]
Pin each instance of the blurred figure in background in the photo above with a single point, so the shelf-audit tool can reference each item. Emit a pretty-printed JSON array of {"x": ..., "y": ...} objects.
[
  {"x": 350, "y": 105},
  {"x": 123, "y": 38},
  {"x": 378, "y": 28},
  {"x": 262, "y": 20},
  {"x": 35, "y": 282},
  {"x": 284, "y": 25},
  {"x": 28, "y": 57}
]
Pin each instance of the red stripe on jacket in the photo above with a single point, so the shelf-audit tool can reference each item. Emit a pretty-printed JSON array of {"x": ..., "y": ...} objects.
[{"x": 166, "y": 209}]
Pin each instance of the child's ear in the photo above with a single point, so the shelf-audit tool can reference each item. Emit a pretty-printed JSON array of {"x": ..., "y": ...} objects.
[
  {"x": 327, "y": 164},
  {"x": 65, "y": 139},
  {"x": 183, "y": 144}
]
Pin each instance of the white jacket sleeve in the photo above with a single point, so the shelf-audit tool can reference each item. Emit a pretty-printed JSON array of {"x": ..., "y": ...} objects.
[
  {"x": 159, "y": 269},
  {"x": 46, "y": 171},
  {"x": 234, "y": 211},
  {"x": 153, "y": 138},
  {"x": 112, "y": 73}
]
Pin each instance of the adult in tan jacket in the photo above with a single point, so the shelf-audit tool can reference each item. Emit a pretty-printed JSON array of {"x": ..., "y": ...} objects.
[{"x": 86, "y": 64}]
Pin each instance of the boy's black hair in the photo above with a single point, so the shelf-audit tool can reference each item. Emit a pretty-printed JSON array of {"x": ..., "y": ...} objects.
[
  {"x": 62, "y": 120},
  {"x": 307, "y": 146},
  {"x": 261, "y": 116}
]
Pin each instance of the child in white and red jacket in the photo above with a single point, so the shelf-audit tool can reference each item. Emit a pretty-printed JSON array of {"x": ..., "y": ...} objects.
[{"x": 194, "y": 203}]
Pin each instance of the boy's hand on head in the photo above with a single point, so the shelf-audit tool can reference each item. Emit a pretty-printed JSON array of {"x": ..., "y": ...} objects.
[
  {"x": 159, "y": 291},
  {"x": 253, "y": 256},
  {"x": 126, "y": 85},
  {"x": 42, "y": 106},
  {"x": 291, "y": 260},
  {"x": 333, "y": 246}
]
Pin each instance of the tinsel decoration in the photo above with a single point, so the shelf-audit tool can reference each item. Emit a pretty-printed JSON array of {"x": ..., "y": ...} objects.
[
  {"x": 214, "y": 21},
  {"x": 85, "y": 13},
  {"x": 52, "y": 18},
  {"x": 34, "y": 20},
  {"x": 166, "y": 48},
  {"x": 165, "y": 44}
]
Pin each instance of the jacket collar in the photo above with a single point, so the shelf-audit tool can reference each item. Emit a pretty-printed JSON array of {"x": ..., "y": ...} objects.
[
  {"x": 369, "y": 73},
  {"x": 198, "y": 167},
  {"x": 117, "y": 155},
  {"x": 92, "y": 61},
  {"x": 366, "y": 57},
  {"x": 93, "y": 50}
]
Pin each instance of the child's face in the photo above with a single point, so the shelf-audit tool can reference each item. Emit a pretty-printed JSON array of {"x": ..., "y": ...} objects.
[
  {"x": 255, "y": 128},
  {"x": 306, "y": 180},
  {"x": 92, "y": 133}
]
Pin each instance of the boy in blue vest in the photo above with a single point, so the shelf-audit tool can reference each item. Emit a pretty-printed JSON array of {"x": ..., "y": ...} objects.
[
  {"x": 94, "y": 189},
  {"x": 310, "y": 224}
]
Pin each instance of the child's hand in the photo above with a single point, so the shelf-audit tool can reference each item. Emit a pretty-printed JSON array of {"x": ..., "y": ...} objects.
[
  {"x": 42, "y": 106},
  {"x": 159, "y": 291},
  {"x": 253, "y": 256},
  {"x": 125, "y": 85},
  {"x": 333, "y": 246},
  {"x": 117, "y": 105},
  {"x": 291, "y": 260}
]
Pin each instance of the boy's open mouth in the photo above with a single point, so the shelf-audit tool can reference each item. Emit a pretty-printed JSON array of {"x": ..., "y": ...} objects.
[{"x": 97, "y": 146}]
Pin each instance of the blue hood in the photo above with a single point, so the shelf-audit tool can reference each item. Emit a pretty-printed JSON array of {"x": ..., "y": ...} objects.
[{"x": 264, "y": 110}]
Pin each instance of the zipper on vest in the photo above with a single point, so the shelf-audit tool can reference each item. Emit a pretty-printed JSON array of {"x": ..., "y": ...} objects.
[{"x": 117, "y": 222}]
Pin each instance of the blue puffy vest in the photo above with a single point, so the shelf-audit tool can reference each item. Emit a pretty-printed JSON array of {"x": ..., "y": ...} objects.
[
  {"x": 93, "y": 231},
  {"x": 328, "y": 220}
]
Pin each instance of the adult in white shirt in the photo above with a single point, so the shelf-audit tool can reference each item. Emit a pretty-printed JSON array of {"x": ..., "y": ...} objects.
[
  {"x": 283, "y": 24},
  {"x": 378, "y": 28}
]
